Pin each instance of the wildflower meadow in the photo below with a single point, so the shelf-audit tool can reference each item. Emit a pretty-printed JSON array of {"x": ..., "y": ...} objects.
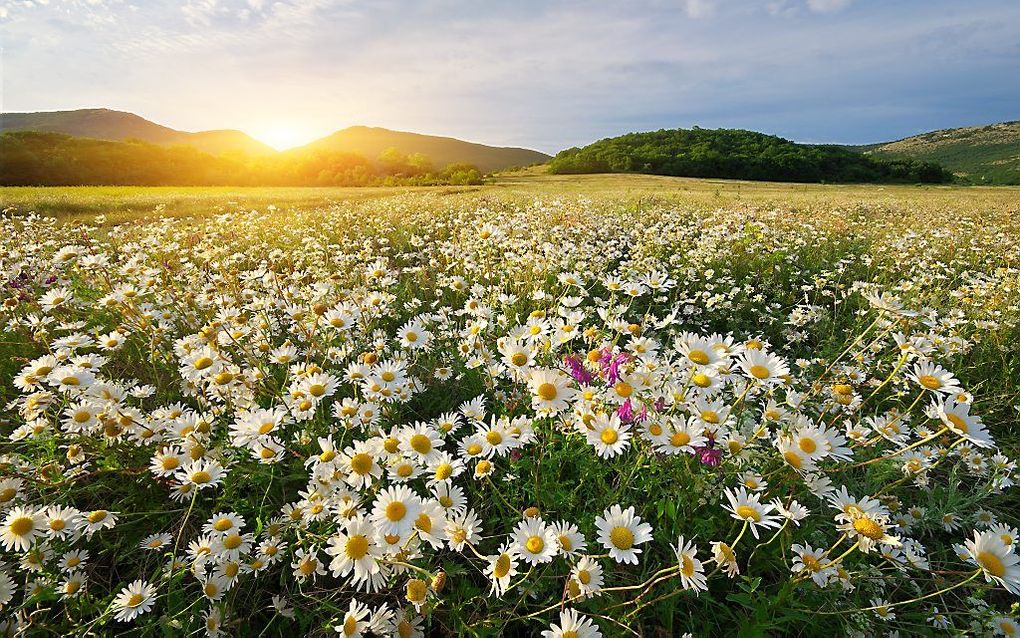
[{"x": 509, "y": 413}]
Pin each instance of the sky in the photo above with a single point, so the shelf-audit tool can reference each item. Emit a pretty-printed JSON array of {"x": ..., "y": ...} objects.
[{"x": 540, "y": 74}]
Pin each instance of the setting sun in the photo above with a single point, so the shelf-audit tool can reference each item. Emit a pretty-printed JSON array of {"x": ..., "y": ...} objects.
[{"x": 283, "y": 136}]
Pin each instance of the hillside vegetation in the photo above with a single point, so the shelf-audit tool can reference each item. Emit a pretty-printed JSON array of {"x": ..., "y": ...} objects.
[
  {"x": 370, "y": 142},
  {"x": 979, "y": 154},
  {"x": 52, "y": 159},
  {"x": 106, "y": 124},
  {"x": 738, "y": 154}
]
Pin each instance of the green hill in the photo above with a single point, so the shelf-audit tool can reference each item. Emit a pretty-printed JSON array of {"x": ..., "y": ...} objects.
[
  {"x": 106, "y": 124},
  {"x": 373, "y": 141},
  {"x": 32, "y": 158},
  {"x": 979, "y": 154},
  {"x": 738, "y": 154},
  {"x": 369, "y": 142}
]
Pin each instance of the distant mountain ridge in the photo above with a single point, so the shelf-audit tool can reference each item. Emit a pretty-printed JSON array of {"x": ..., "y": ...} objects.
[
  {"x": 107, "y": 124},
  {"x": 371, "y": 141},
  {"x": 987, "y": 154}
]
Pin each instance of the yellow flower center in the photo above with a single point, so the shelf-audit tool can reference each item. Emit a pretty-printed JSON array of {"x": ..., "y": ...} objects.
[
  {"x": 686, "y": 565},
  {"x": 356, "y": 547},
  {"x": 135, "y": 600},
  {"x": 621, "y": 537},
  {"x": 21, "y": 525},
  {"x": 535, "y": 544},
  {"x": 699, "y": 357},
  {"x": 421, "y": 444},
  {"x": 202, "y": 363},
  {"x": 396, "y": 511},
  {"x": 957, "y": 422},
  {"x": 991, "y": 564},
  {"x": 361, "y": 463},
  {"x": 201, "y": 477},
  {"x": 624, "y": 389},
  {"x": 232, "y": 541},
  {"x": 869, "y": 528},
  {"x": 502, "y": 566},
  {"x": 760, "y": 372},
  {"x": 793, "y": 459},
  {"x": 519, "y": 359},
  {"x": 547, "y": 391},
  {"x": 416, "y": 590},
  {"x": 930, "y": 382},
  {"x": 807, "y": 446},
  {"x": 748, "y": 513}
]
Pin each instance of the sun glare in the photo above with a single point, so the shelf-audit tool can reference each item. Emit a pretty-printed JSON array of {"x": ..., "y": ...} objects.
[{"x": 283, "y": 136}]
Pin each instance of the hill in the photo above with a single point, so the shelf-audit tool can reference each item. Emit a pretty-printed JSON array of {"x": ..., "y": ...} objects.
[
  {"x": 32, "y": 158},
  {"x": 373, "y": 141},
  {"x": 980, "y": 154},
  {"x": 738, "y": 154},
  {"x": 107, "y": 124}
]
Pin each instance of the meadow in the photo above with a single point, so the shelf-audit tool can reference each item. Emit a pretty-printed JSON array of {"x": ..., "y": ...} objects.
[{"x": 569, "y": 406}]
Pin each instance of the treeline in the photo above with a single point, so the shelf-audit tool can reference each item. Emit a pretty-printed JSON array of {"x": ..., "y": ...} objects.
[
  {"x": 739, "y": 154},
  {"x": 52, "y": 159}
]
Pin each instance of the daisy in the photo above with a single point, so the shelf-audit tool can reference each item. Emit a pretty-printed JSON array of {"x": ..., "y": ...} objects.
[
  {"x": 619, "y": 531},
  {"x": 957, "y": 417},
  {"x": 502, "y": 567},
  {"x": 692, "y": 571},
  {"x": 21, "y": 526},
  {"x": 421, "y": 442},
  {"x": 462, "y": 529},
  {"x": 572, "y": 625},
  {"x": 62, "y": 521},
  {"x": 72, "y": 585},
  {"x": 355, "y": 623},
  {"x": 155, "y": 542},
  {"x": 725, "y": 558},
  {"x": 360, "y": 465},
  {"x": 813, "y": 562},
  {"x": 869, "y": 530},
  {"x": 535, "y": 540},
  {"x": 307, "y": 564},
  {"x": 586, "y": 578},
  {"x": 134, "y": 600},
  {"x": 997, "y": 560},
  {"x": 551, "y": 391},
  {"x": 570, "y": 538},
  {"x": 395, "y": 510},
  {"x": 608, "y": 435},
  {"x": 935, "y": 378},
  {"x": 763, "y": 367},
  {"x": 201, "y": 473},
  {"x": 747, "y": 507}
]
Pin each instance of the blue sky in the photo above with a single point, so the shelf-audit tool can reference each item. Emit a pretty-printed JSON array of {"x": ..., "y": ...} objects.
[{"x": 545, "y": 75}]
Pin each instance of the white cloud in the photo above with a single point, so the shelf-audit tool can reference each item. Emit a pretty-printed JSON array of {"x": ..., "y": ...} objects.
[
  {"x": 699, "y": 8},
  {"x": 827, "y": 6}
]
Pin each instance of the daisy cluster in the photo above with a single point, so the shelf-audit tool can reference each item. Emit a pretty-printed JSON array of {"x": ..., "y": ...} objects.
[{"x": 428, "y": 415}]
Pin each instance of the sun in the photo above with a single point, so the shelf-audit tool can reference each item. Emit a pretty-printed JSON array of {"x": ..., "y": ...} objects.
[{"x": 283, "y": 136}]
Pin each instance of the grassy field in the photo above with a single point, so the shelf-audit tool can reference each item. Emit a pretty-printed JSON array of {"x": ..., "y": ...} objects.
[
  {"x": 137, "y": 202},
  {"x": 667, "y": 405}
]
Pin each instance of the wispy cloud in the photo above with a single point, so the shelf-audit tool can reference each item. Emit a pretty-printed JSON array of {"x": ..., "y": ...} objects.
[{"x": 541, "y": 74}]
